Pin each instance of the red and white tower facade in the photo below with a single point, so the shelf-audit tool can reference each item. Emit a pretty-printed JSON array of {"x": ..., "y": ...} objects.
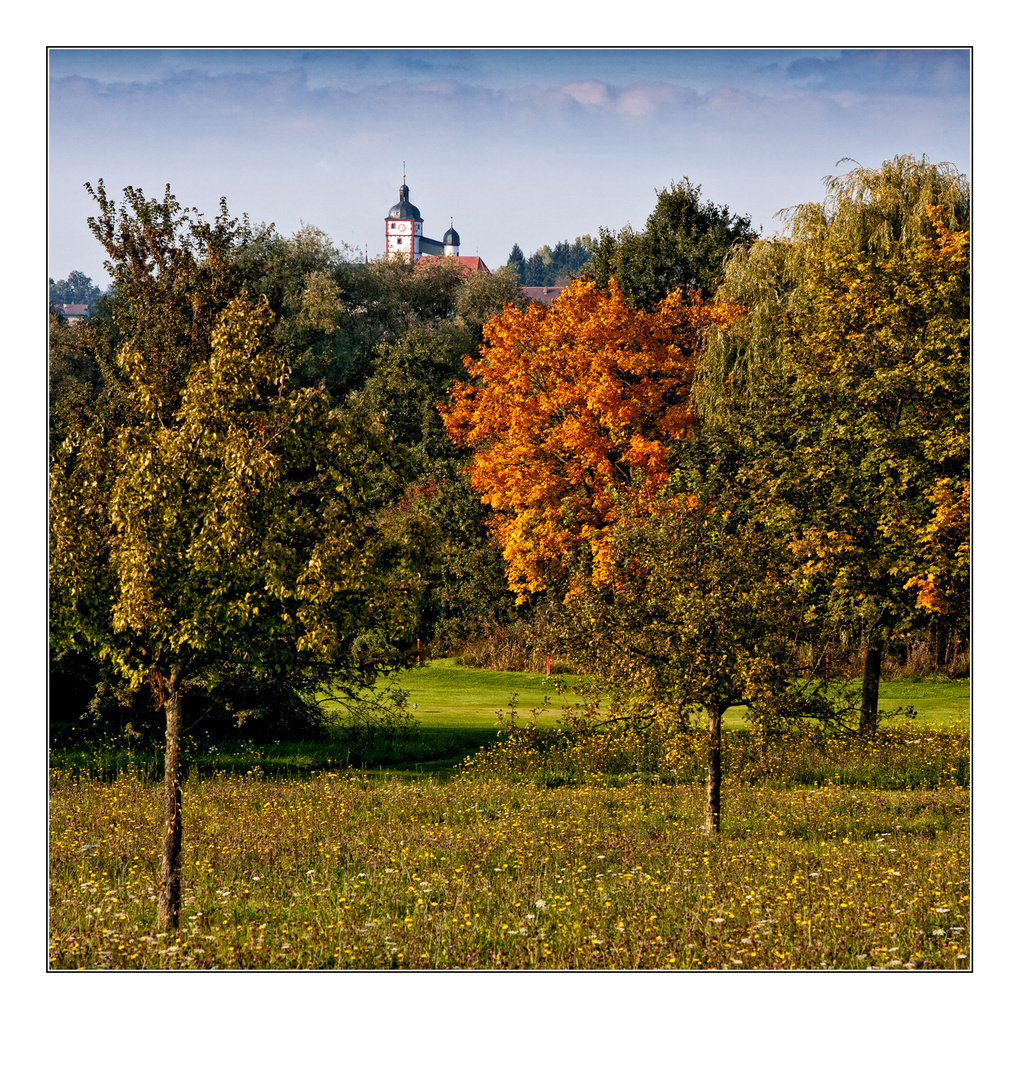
[{"x": 403, "y": 228}]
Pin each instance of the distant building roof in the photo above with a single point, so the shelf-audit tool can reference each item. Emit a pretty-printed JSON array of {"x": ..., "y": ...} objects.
[
  {"x": 543, "y": 294},
  {"x": 466, "y": 262},
  {"x": 72, "y": 311},
  {"x": 471, "y": 262}
]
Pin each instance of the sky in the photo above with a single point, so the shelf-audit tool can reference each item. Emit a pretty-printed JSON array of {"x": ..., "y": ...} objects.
[{"x": 525, "y": 146}]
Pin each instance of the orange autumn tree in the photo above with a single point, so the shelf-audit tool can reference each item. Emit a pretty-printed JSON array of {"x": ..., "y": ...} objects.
[{"x": 569, "y": 403}]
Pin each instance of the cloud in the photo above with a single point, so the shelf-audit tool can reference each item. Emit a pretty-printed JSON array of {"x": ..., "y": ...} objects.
[
  {"x": 642, "y": 101},
  {"x": 913, "y": 72},
  {"x": 589, "y": 92}
]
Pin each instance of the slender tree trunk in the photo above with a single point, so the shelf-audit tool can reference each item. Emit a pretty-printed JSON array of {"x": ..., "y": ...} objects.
[
  {"x": 871, "y": 682},
  {"x": 713, "y": 807},
  {"x": 168, "y": 910}
]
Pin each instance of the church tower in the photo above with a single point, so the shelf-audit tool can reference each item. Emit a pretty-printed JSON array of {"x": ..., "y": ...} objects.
[
  {"x": 403, "y": 228},
  {"x": 451, "y": 241}
]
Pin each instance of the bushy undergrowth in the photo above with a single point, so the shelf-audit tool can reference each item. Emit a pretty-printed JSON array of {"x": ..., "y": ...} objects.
[
  {"x": 501, "y": 648},
  {"x": 554, "y": 866},
  {"x": 518, "y": 646},
  {"x": 897, "y": 757}
]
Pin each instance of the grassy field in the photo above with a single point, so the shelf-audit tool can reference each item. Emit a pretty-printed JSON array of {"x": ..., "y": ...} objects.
[
  {"x": 452, "y": 696},
  {"x": 835, "y": 855},
  {"x": 458, "y": 708},
  {"x": 342, "y": 871},
  {"x": 457, "y": 712}
]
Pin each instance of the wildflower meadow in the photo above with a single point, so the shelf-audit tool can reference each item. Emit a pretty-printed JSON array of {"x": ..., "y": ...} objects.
[{"x": 833, "y": 855}]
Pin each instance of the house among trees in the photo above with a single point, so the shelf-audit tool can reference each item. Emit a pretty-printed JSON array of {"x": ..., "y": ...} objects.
[
  {"x": 72, "y": 312},
  {"x": 542, "y": 294}
]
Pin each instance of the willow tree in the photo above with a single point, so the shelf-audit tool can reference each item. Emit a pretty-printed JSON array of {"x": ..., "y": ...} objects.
[
  {"x": 227, "y": 528},
  {"x": 847, "y": 371}
]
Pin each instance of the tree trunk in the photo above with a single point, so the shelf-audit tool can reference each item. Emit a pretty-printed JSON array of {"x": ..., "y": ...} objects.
[
  {"x": 168, "y": 910},
  {"x": 871, "y": 682},
  {"x": 713, "y": 807}
]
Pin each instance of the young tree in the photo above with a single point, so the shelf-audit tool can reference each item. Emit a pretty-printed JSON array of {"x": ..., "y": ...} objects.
[
  {"x": 209, "y": 514},
  {"x": 228, "y": 527},
  {"x": 703, "y": 610},
  {"x": 570, "y": 402},
  {"x": 848, "y": 372}
]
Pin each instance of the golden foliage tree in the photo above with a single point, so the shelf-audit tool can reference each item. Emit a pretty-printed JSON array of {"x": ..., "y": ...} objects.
[{"x": 569, "y": 402}]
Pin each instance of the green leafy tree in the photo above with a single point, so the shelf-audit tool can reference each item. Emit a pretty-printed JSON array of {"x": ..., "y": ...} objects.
[
  {"x": 173, "y": 272},
  {"x": 703, "y": 612},
  {"x": 76, "y": 289},
  {"x": 345, "y": 312},
  {"x": 847, "y": 371},
  {"x": 684, "y": 243},
  {"x": 227, "y": 528},
  {"x": 136, "y": 505},
  {"x": 465, "y": 587},
  {"x": 557, "y": 265}
]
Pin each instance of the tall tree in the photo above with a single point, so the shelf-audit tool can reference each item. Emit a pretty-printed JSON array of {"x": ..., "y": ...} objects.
[
  {"x": 515, "y": 262},
  {"x": 209, "y": 512},
  {"x": 557, "y": 265},
  {"x": 848, "y": 370},
  {"x": 684, "y": 244}
]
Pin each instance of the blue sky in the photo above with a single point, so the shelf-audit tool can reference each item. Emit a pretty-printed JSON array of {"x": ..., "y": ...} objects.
[{"x": 524, "y": 146}]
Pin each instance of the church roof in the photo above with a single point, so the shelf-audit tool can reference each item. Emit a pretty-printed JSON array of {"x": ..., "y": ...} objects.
[
  {"x": 405, "y": 210},
  {"x": 465, "y": 262}
]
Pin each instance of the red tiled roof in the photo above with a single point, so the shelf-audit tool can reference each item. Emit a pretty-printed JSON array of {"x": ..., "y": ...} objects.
[
  {"x": 471, "y": 262},
  {"x": 466, "y": 262},
  {"x": 73, "y": 309}
]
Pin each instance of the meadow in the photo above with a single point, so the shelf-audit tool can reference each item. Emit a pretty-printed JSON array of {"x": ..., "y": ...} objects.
[{"x": 834, "y": 854}]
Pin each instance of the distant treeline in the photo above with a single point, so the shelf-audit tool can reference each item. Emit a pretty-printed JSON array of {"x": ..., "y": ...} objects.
[{"x": 557, "y": 265}]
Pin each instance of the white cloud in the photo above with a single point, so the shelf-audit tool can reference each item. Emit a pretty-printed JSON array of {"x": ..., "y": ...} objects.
[
  {"x": 641, "y": 101},
  {"x": 589, "y": 92}
]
